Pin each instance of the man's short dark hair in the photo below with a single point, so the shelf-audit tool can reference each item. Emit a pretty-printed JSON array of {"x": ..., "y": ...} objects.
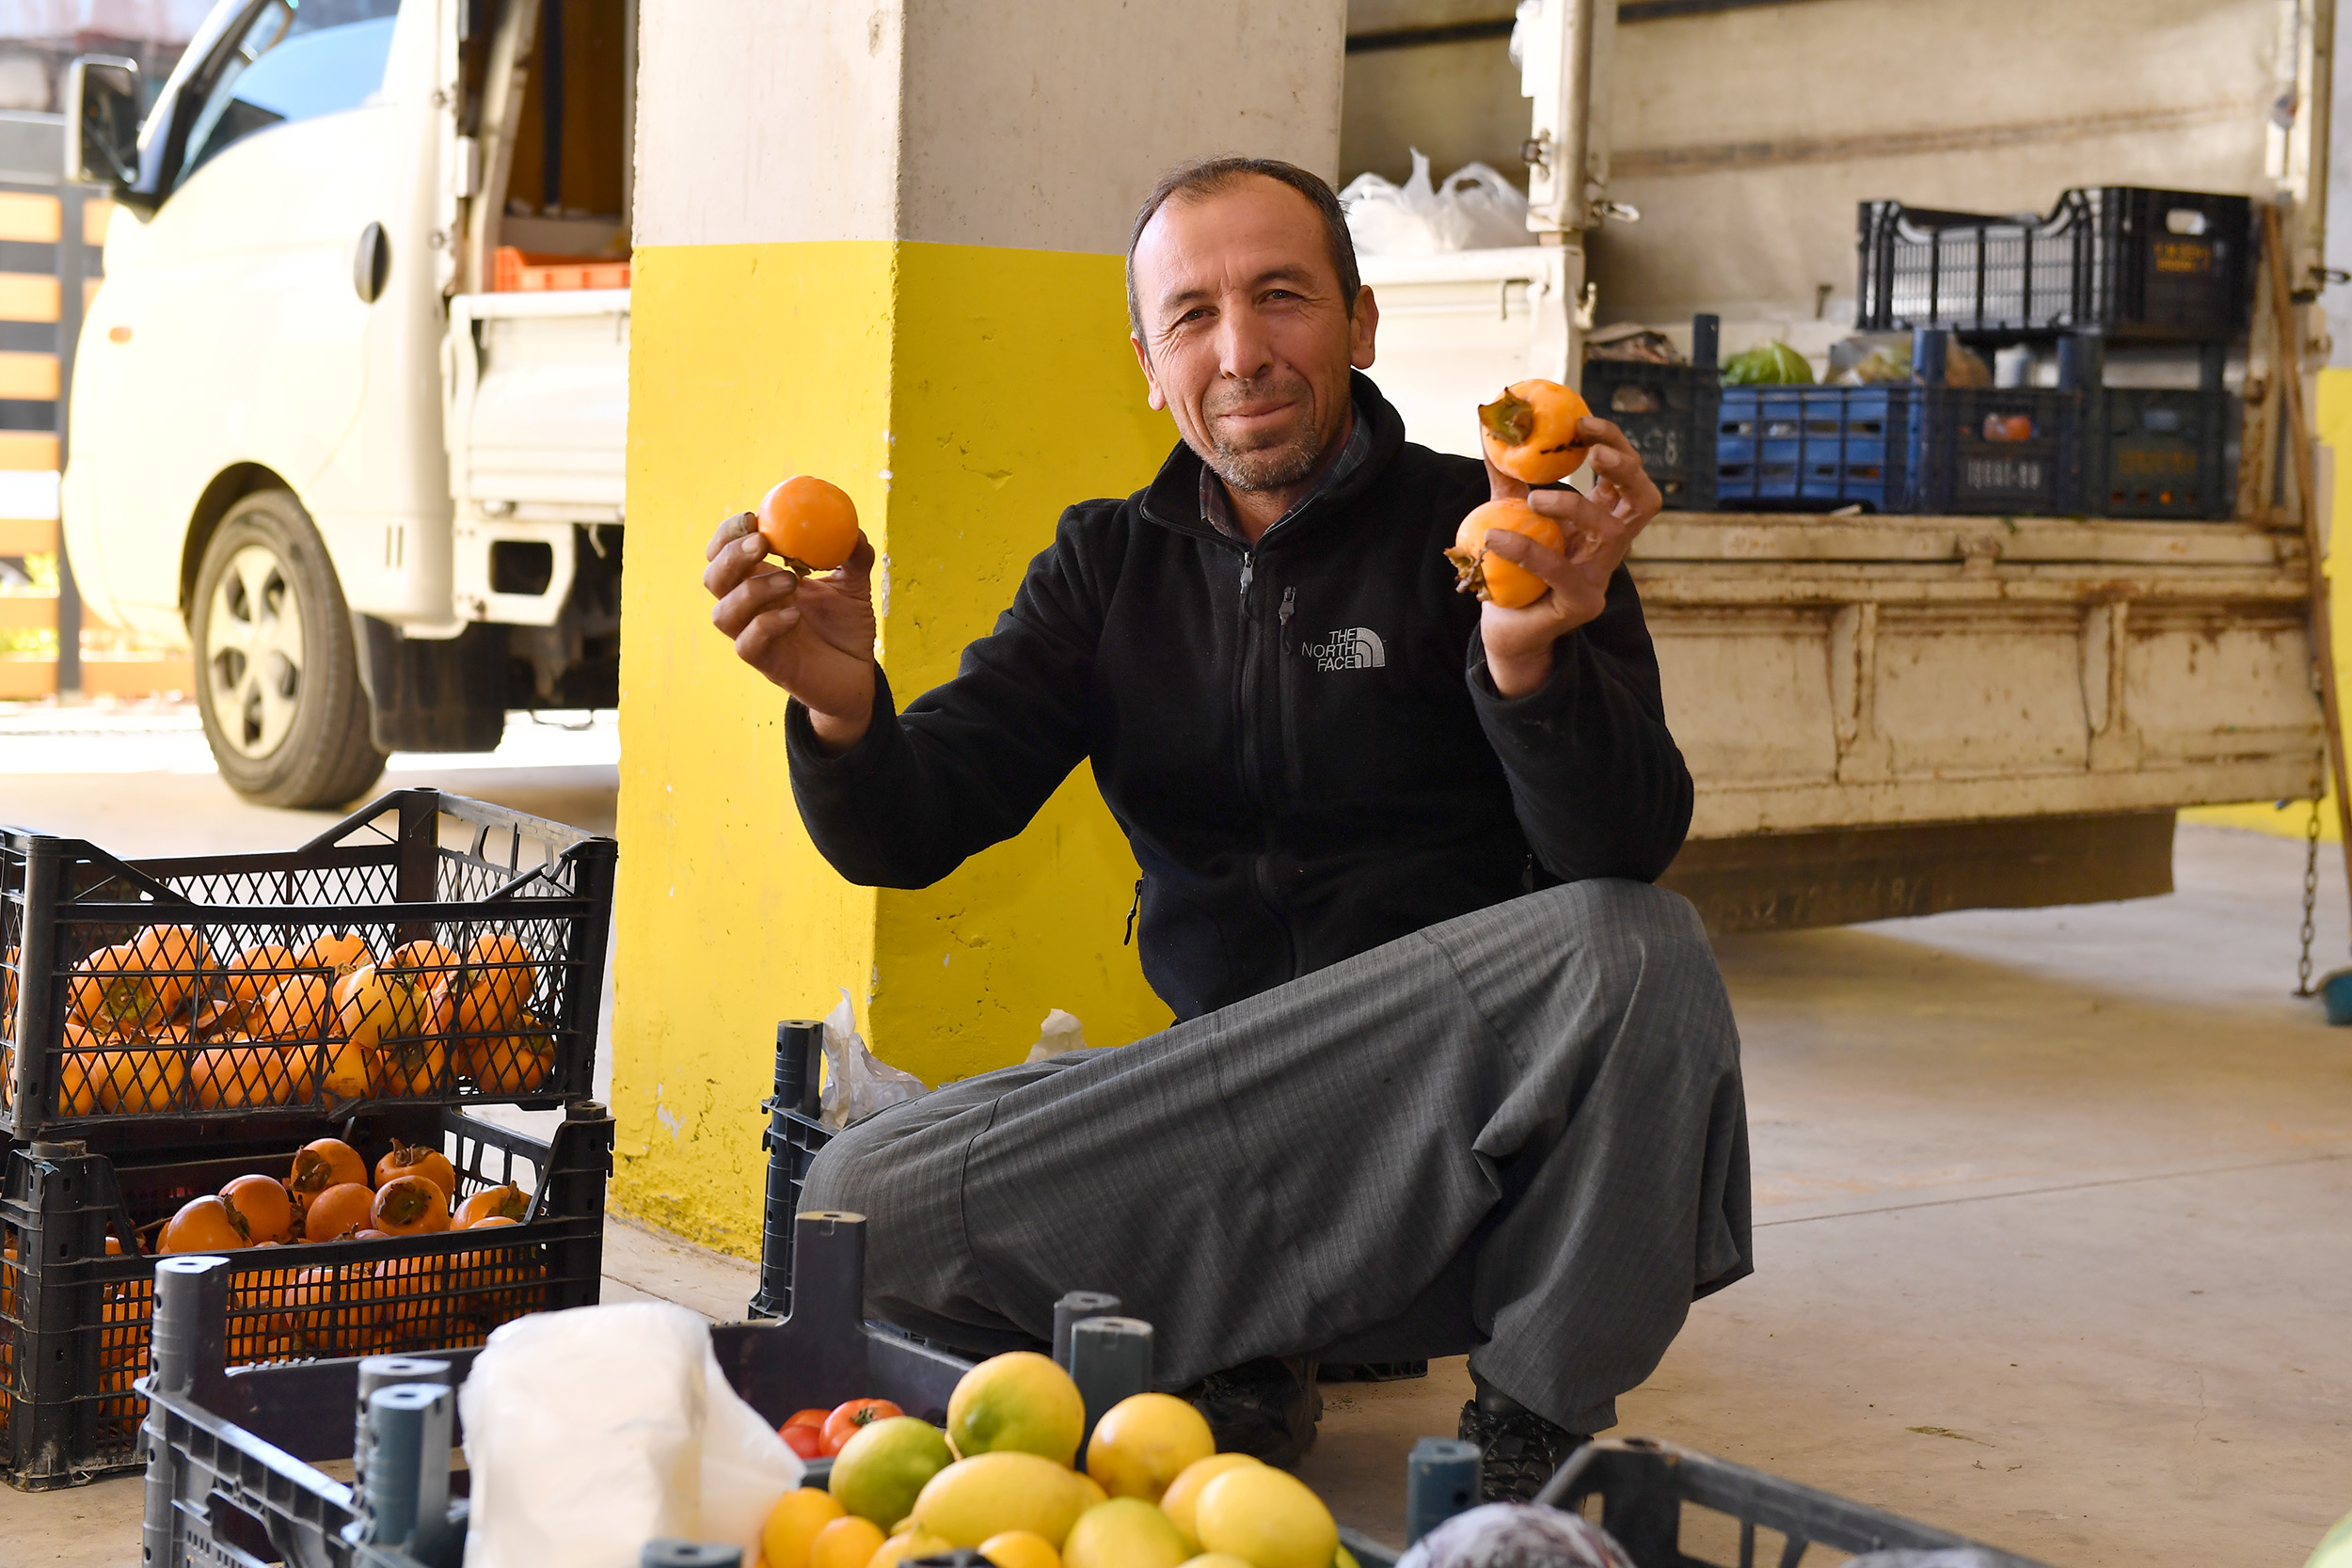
[{"x": 1206, "y": 177}]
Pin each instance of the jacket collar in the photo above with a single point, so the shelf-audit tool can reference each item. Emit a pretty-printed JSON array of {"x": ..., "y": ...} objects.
[{"x": 1172, "y": 499}]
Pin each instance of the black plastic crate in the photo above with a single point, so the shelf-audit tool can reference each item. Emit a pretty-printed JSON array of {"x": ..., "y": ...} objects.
[
  {"x": 2008, "y": 451},
  {"x": 1809, "y": 449},
  {"x": 230, "y": 1452},
  {"x": 2160, "y": 451},
  {"x": 2122, "y": 259},
  {"x": 1668, "y": 412},
  {"x": 793, "y": 1137},
  {"x": 76, "y": 1289},
  {"x": 143, "y": 998},
  {"x": 1665, "y": 1505}
]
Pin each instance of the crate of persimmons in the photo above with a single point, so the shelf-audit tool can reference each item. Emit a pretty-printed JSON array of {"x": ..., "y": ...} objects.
[
  {"x": 428, "y": 950},
  {"x": 375, "y": 1245}
]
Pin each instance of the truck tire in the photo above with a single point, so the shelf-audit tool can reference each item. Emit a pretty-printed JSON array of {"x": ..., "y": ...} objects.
[{"x": 277, "y": 679}]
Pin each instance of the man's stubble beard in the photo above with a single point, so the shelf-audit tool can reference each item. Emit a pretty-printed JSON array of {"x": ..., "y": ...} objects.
[{"x": 1274, "y": 468}]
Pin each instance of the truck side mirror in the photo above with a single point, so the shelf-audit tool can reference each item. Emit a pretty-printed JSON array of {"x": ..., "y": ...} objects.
[{"x": 101, "y": 129}]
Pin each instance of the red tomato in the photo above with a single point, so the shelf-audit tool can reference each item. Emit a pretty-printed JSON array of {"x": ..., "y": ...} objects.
[
  {"x": 813, "y": 1416},
  {"x": 846, "y": 1419},
  {"x": 805, "y": 1440}
]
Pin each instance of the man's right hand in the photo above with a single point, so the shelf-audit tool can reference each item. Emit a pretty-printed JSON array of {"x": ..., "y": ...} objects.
[{"x": 812, "y": 636}]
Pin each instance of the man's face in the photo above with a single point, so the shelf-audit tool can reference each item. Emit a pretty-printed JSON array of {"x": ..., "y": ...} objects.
[{"x": 1247, "y": 338}]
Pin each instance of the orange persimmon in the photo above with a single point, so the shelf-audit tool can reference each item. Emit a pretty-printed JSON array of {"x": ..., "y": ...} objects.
[
  {"x": 410, "y": 1206},
  {"x": 1530, "y": 431},
  {"x": 325, "y": 1163},
  {"x": 499, "y": 980},
  {"x": 345, "y": 1206},
  {"x": 418, "y": 1159},
  {"x": 505, "y": 1202},
  {"x": 203, "y": 1224},
  {"x": 250, "y": 977},
  {"x": 179, "y": 962},
  {"x": 1498, "y": 581},
  {"x": 341, "y": 952},
  {"x": 810, "y": 522},
  {"x": 110, "y": 994},
  {"x": 138, "y": 1077},
  {"x": 260, "y": 1202}
]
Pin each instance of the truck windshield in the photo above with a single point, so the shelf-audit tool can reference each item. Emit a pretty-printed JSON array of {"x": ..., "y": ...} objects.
[{"x": 297, "y": 59}]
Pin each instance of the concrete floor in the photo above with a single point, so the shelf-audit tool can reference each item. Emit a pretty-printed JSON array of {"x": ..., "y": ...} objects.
[{"x": 2051, "y": 1204}]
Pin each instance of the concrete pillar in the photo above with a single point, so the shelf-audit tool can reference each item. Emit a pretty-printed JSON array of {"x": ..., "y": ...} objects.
[{"x": 882, "y": 243}]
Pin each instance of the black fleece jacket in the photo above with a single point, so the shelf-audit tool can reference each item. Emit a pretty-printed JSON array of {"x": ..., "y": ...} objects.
[{"x": 1286, "y": 732}]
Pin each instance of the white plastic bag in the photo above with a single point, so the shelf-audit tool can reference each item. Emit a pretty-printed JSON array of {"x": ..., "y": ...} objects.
[
  {"x": 592, "y": 1430},
  {"x": 1475, "y": 208},
  {"x": 857, "y": 1081},
  {"x": 1060, "y": 1032}
]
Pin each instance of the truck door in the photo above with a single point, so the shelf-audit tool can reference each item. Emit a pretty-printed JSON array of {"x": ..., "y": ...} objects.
[{"x": 234, "y": 329}]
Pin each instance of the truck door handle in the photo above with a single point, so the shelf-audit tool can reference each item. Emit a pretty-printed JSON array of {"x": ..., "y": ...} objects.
[{"x": 371, "y": 264}]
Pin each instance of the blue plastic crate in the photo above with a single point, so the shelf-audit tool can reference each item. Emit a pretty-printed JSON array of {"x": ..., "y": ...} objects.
[{"x": 1816, "y": 448}]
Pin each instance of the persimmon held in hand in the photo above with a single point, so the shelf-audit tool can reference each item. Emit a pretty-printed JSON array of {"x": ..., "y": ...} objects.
[
  {"x": 1530, "y": 431},
  {"x": 1479, "y": 571},
  {"x": 810, "y": 523}
]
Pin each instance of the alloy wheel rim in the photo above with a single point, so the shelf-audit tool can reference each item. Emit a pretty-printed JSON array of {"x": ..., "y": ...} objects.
[{"x": 253, "y": 661}]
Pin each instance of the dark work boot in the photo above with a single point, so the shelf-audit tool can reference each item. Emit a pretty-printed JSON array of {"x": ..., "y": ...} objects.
[
  {"x": 1517, "y": 1448},
  {"x": 1265, "y": 1408}
]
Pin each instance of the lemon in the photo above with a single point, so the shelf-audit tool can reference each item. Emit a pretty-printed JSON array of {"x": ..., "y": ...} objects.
[
  {"x": 993, "y": 1492},
  {"x": 1124, "y": 1532},
  {"x": 1221, "y": 1559},
  {"x": 793, "y": 1523},
  {"x": 1090, "y": 1490},
  {"x": 1258, "y": 1512},
  {"x": 1144, "y": 1442},
  {"x": 1021, "y": 1401},
  {"x": 1020, "y": 1548},
  {"x": 1185, "y": 1491},
  {"x": 879, "y": 1472},
  {"x": 846, "y": 1542},
  {"x": 906, "y": 1548}
]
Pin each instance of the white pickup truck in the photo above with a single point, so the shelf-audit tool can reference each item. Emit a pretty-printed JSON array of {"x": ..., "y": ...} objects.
[{"x": 379, "y": 494}]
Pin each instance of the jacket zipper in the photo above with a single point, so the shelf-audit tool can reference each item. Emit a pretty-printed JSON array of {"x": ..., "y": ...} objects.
[{"x": 1245, "y": 708}]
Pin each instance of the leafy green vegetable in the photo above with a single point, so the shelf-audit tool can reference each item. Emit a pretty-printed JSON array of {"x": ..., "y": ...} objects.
[{"x": 1773, "y": 364}]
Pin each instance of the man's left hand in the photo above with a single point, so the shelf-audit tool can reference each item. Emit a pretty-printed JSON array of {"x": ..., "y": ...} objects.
[{"x": 1599, "y": 529}]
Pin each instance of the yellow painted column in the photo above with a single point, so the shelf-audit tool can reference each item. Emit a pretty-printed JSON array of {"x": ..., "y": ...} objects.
[
  {"x": 883, "y": 244},
  {"x": 2332, "y": 422}
]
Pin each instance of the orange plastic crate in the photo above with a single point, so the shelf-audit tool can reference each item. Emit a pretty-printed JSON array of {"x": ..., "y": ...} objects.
[{"x": 515, "y": 271}]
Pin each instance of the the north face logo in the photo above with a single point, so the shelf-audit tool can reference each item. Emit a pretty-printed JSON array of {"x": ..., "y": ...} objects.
[{"x": 1357, "y": 648}]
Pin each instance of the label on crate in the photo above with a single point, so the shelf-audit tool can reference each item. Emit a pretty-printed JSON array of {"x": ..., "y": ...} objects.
[
  {"x": 2154, "y": 463},
  {"x": 2004, "y": 475},
  {"x": 2184, "y": 256}
]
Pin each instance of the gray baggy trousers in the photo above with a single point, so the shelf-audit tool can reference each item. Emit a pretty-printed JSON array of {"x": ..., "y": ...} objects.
[{"x": 1519, "y": 1133}]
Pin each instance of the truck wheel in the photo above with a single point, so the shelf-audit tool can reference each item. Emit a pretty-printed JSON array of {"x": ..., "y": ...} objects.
[{"x": 278, "y": 682}]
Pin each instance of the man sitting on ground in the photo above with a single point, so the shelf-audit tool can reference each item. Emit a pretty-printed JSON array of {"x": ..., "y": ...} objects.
[{"x": 1448, "y": 1073}]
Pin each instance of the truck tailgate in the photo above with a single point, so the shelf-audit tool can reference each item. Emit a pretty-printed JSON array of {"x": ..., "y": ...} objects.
[{"x": 539, "y": 426}]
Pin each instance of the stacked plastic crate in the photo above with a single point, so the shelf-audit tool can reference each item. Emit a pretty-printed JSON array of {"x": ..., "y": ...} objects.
[
  {"x": 2154, "y": 284},
  {"x": 170, "y": 1025}
]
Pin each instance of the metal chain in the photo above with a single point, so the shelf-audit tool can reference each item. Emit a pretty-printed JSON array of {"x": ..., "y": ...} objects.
[{"x": 2311, "y": 876}]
